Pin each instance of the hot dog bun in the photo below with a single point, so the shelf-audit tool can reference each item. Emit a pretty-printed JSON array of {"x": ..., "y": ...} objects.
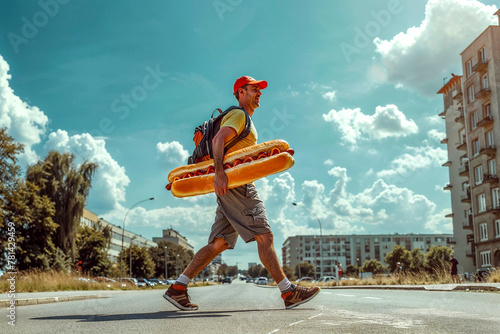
[{"x": 246, "y": 170}]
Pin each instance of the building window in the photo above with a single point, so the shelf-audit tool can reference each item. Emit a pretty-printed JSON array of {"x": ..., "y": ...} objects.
[
  {"x": 484, "y": 82},
  {"x": 473, "y": 119},
  {"x": 439, "y": 239},
  {"x": 492, "y": 167},
  {"x": 495, "y": 197},
  {"x": 481, "y": 203},
  {"x": 497, "y": 228},
  {"x": 487, "y": 110},
  {"x": 478, "y": 174},
  {"x": 482, "y": 55},
  {"x": 475, "y": 147},
  {"x": 483, "y": 232},
  {"x": 485, "y": 259},
  {"x": 469, "y": 68},
  {"x": 471, "y": 94},
  {"x": 490, "y": 139}
]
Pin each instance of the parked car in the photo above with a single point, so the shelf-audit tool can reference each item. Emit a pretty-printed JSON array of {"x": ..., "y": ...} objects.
[
  {"x": 129, "y": 280},
  {"x": 142, "y": 282},
  {"x": 156, "y": 281},
  {"x": 227, "y": 280},
  {"x": 249, "y": 279},
  {"x": 326, "y": 279},
  {"x": 304, "y": 279},
  {"x": 261, "y": 281}
]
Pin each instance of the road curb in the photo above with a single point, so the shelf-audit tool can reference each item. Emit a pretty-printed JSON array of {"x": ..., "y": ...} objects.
[
  {"x": 47, "y": 300},
  {"x": 442, "y": 288}
]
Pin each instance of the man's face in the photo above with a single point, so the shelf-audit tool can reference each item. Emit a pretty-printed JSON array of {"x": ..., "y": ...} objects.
[{"x": 251, "y": 96}]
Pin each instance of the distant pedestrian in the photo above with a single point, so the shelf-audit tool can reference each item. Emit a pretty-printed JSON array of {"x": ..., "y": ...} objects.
[
  {"x": 399, "y": 270},
  {"x": 454, "y": 270}
]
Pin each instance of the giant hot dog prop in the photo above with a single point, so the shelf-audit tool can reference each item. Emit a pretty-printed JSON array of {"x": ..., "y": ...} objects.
[{"x": 241, "y": 167}]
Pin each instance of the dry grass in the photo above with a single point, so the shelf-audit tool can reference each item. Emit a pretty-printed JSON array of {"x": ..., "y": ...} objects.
[
  {"x": 38, "y": 281},
  {"x": 494, "y": 277}
]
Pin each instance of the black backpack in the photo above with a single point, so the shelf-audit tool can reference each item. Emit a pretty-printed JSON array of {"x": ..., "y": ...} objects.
[{"x": 205, "y": 133}]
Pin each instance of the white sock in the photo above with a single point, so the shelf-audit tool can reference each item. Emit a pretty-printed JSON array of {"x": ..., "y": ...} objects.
[
  {"x": 183, "y": 280},
  {"x": 285, "y": 285}
]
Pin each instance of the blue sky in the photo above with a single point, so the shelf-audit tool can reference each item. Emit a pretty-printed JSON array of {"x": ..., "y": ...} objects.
[{"x": 352, "y": 88}]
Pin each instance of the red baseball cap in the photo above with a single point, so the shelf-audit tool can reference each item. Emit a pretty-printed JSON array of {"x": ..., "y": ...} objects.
[{"x": 246, "y": 80}]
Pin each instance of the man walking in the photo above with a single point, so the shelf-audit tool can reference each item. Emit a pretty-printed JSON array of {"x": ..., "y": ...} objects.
[
  {"x": 454, "y": 270},
  {"x": 240, "y": 210}
]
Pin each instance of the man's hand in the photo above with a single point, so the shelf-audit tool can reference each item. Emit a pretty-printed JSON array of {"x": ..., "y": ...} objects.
[{"x": 220, "y": 183}]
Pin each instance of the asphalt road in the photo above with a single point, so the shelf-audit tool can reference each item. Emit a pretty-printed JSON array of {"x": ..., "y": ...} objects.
[{"x": 245, "y": 308}]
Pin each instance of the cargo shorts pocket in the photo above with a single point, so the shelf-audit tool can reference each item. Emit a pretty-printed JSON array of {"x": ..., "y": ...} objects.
[{"x": 258, "y": 216}]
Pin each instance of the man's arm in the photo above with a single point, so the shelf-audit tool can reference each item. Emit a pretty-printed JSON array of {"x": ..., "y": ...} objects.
[{"x": 220, "y": 180}]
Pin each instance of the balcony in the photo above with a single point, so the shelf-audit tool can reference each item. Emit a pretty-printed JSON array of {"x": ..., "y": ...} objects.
[
  {"x": 446, "y": 164},
  {"x": 481, "y": 66},
  {"x": 442, "y": 113},
  {"x": 466, "y": 198},
  {"x": 483, "y": 94},
  {"x": 444, "y": 141},
  {"x": 467, "y": 225},
  {"x": 489, "y": 150},
  {"x": 469, "y": 253},
  {"x": 461, "y": 117},
  {"x": 462, "y": 146},
  {"x": 488, "y": 178},
  {"x": 487, "y": 120},
  {"x": 457, "y": 94},
  {"x": 464, "y": 171},
  {"x": 448, "y": 187}
]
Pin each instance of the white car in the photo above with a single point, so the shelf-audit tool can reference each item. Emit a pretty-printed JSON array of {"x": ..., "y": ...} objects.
[
  {"x": 261, "y": 281},
  {"x": 326, "y": 279}
]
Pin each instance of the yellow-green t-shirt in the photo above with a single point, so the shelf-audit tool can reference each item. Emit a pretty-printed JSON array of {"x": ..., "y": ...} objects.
[{"x": 236, "y": 119}]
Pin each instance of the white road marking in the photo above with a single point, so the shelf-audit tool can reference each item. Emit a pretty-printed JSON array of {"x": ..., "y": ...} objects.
[
  {"x": 340, "y": 294},
  {"x": 371, "y": 298},
  {"x": 274, "y": 331},
  {"x": 314, "y": 316},
  {"x": 295, "y": 323}
]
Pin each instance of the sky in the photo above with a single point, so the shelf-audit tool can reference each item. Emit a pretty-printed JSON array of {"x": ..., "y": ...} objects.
[{"x": 351, "y": 86}]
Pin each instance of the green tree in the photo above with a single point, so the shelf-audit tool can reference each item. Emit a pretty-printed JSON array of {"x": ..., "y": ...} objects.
[
  {"x": 438, "y": 259},
  {"x": 254, "y": 271},
  {"x": 373, "y": 266},
  {"x": 288, "y": 273},
  {"x": 352, "y": 271},
  {"x": 232, "y": 271},
  {"x": 398, "y": 254},
  {"x": 264, "y": 273},
  {"x": 223, "y": 270},
  {"x": 92, "y": 246},
  {"x": 306, "y": 270},
  {"x": 67, "y": 186},
  {"x": 417, "y": 260},
  {"x": 142, "y": 264}
]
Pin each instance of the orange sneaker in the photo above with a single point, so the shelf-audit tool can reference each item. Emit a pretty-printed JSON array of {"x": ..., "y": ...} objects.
[
  {"x": 179, "y": 298},
  {"x": 299, "y": 295}
]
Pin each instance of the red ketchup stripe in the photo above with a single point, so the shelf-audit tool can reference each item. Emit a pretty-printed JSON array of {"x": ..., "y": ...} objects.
[{"x": 211, "y": 169}]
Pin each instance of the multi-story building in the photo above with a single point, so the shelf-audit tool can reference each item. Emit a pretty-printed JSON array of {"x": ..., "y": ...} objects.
[
  {"x": 129, "y": 238},
  {"x": 174, "y": 237},
  {"x": 472, "y": 117},
  {"x": 326, "y": 251}
]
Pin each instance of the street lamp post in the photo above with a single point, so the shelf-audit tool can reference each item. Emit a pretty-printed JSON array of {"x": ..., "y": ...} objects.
[
  {"x": 166, "y": 264},
  {"x": 177, "y": 266},
  {"x": 123, "y": 232},
  {"x": 130, "y": 255},
  {"x": 320, "y": 240}
]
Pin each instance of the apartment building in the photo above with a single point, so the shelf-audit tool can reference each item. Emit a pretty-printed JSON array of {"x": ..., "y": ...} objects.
[
  {"x": 174, "y": 237},
  {"x": 129, "y": 238},
  {"x": 326, "y": 251},
  {"x": 472, "y": 118}
]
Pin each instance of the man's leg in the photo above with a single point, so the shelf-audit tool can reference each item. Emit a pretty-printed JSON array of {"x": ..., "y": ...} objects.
[
  {"x": 291, "y": 294},
  {"x": 177, "y": 293},
  {"x": 204, "y": 256}
]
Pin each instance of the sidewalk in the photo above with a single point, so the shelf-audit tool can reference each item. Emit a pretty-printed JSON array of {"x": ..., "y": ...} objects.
[
  {"x": 34, "y": 298},
  {"x": 430, "y": 287}
]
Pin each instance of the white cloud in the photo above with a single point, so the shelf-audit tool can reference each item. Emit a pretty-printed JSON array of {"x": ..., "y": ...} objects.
[
  {"x": 417, "y": 158},
  {"x": 330, "y": 96},
  {"x": 172, "y": 152},
  {"x": 418, "y": 58},
  {"x": 436, "y": 135},
  {"x": 355, "y": 126},
  {"x": 25, "y": 123},
  {"x": 110, "y": 181}
]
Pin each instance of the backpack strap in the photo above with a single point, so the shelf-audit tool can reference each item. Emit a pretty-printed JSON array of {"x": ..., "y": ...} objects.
[{"x": 243, "y": 134}]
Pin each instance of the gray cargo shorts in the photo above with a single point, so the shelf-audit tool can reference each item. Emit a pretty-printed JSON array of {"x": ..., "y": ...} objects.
[{"x": 239, "y": 212}]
